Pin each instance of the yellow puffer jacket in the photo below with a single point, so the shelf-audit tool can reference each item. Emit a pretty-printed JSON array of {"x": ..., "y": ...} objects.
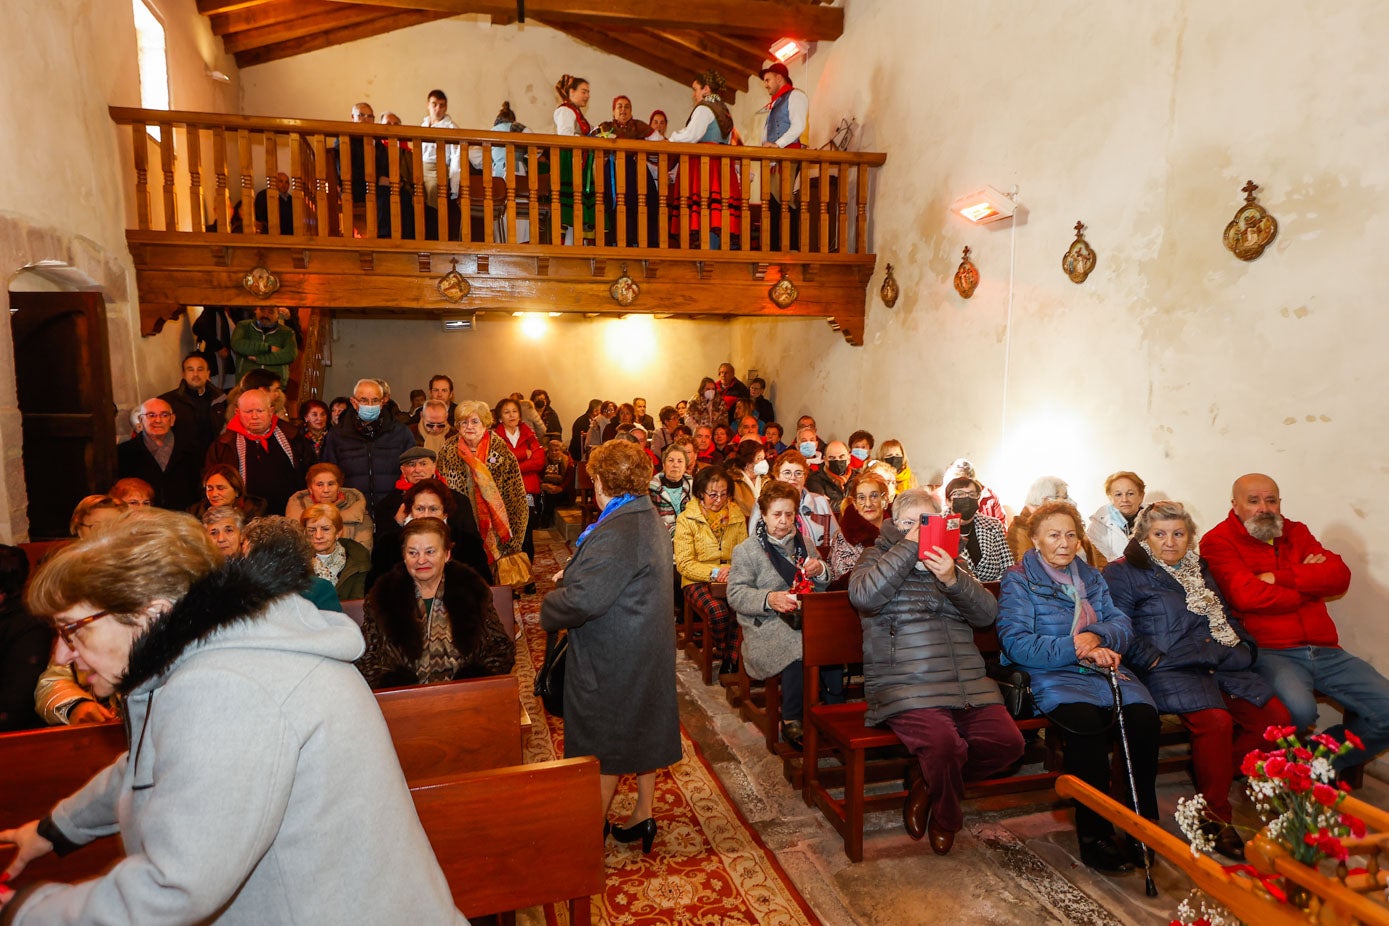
[{"x": 697, "y": 553}]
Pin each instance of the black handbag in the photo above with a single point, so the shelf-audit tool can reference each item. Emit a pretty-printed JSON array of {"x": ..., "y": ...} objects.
[
  {"x": 549, "y": 681},
  {"x": 1016, "y": 687}
]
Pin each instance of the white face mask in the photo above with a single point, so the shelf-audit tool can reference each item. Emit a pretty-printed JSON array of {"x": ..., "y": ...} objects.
[
  {"x": 708, "y": 394},
  {"x": 760, "y": 468}
]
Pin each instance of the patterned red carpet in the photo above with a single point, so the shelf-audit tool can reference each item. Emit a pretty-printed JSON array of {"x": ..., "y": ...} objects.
[{"x": 708, "y": 867}]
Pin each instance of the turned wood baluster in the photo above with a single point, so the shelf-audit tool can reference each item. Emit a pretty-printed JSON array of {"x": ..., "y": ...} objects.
[
  {"x": 346, "y": 197},
  {"x": 246, "y": 181},
  {"x": 841, "y": 240},
  {"x": 416, "y": 186},
  {"x": 322, "y": 225},
  {"x": 533, "y": 199},
  {"x": 221, "y": 197},
  {"x": 824, "y": 210},
  {"x": 489, "y": 215},
  {"x": 166, "y": 161},
  {"x": 784, "y": 170},
  {"x": 861, "y": 207},
  {"x": 296, "y": 185},
  {"x": 272, "y": 203},
  {"x": 728, "y": 200},
  {"x": 685, "y": 204},
  {"x": 745, "y": 233},
  {"x": 139, "y": 137},
  {"x": 393, "y": 178},
  {"x": 662, "y": 200},
  {"x": 705, "y": 195},
  {"x": 599, "y": 178},
  {"x": 620, "y": 197},
  {"x": 510, "y": 171},
  {"x": 643, "y": 205},
  {"x": 196, "y": 212},
  {"x": 764, "y": 195},
  {"x": 441, "y": 180},
  {"x": 556, "y": 219}
]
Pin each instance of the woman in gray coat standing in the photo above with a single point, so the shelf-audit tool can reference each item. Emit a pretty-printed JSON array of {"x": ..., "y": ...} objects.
[
  {"x": 616, "y": 597},
  {"x": 923, "y": 676}
]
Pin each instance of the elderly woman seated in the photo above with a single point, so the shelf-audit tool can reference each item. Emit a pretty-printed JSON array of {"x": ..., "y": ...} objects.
[
  {"x": 769, "y": 571},
  {"x": 430, "y": 619},
  {"x": 672, "y": 486},
  {"x": 261, "y": 759},
  {"x": 1046, "y": 489},
  {"x": 340, "y": 560},
  {"x": 706, "y": 534},
  {"x": 223, "y": 486},
  {"x": 749, "y": 468},
  {"x": 224, "y": 525},
  {"x": 817, "y": 516},
  {"x": 1194, "y": 656},
  {"x": 1057, "y": 621},
  {"x": 860, "y": 520},
  {"x": 983, "y": 545},
  {"x": 1111, "y": 525},
  {"x": 922, "y": 674},
  {"x": 326, "y": 488}
]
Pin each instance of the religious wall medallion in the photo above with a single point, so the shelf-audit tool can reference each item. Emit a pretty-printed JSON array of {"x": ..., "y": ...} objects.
[
  {"x": 260, "y": 282},
  {"x": 1079, "y": 259},
  {"x": 783, "y": 292},
  {"x": 1252, "y": 229},
  {"x": 452, "y": 286},
  {"x": 624, "y": 289},
  {"x": 966, "y": 276},
  {"x": 889, "y": 291}
]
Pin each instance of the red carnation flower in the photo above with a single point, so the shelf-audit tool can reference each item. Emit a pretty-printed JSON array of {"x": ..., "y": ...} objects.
[
  {"x": 1354, "y": 740},
  {"x": 1357, "y": 826},
  {"x": 1304, "y": 754},
  {"x": 1325, "y": 795},
  {"x": 1274, "y": 734},
  {"x": 1274, "y": 766},
  {"x": 1250, "y": 766}
]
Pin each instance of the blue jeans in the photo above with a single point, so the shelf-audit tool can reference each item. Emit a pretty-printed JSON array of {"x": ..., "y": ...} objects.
[
  {"x": 793, "y": 689},
  {"x": 1298, "y": 673}
]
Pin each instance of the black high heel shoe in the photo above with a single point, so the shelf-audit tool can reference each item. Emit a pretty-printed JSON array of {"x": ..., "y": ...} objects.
[{"x": 645, "y": 831}]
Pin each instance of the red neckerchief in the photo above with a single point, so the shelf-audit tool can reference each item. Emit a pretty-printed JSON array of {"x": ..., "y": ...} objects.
[
  {"x": 584, "y": 127},
  {"x": 237, "y": 426},
  {"x": 403, "y": 484}
]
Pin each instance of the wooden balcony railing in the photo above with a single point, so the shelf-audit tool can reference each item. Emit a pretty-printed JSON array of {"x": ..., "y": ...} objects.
[
  {"x": 530, "y": 222},
  {"x": 202, "y": 174}
]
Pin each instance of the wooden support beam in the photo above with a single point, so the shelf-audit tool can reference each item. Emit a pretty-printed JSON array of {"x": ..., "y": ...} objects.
[
  {"x": 808, "y": 21},
  {"x": 733, "y": 65},
  {"x": 211, "y": 7},
  {"x": 386, "y": 23},
  {"x": 274, "y": 34},
  {"x": 267, "y": 14},
  {"x": 682, "y": 68}
]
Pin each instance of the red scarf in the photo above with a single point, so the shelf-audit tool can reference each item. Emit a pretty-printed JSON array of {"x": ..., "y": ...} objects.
[
  {"x": 237, "y": 426},
  {"x": 584, "y": 127}
]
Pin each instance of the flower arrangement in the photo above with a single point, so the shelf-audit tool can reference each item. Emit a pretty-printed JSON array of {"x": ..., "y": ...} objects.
[{"x": 1295, "y": 792}]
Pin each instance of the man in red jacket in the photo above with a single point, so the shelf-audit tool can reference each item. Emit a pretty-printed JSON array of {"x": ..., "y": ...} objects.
[{"x": 1276, "y": 577}]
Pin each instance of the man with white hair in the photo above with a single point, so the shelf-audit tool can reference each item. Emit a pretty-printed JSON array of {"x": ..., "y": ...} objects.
[
  {"x": 271, "y": 455},
  {"x": 1277, "y": 578},
  {"x": 156, "y": 455},
  {"x": 366, "y": 444}
]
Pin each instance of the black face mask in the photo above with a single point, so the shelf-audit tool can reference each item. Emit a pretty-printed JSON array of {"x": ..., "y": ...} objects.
[
  {"x": 838, "y": 467},
  {"x": 965, "y": 507},
  {"x": 895, "y": 462}
]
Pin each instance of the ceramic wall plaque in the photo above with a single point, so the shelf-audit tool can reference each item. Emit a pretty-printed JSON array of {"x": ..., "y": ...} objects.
[
  {"x": 624, "y": 290},
  {"x": 1079, "y": 259},
  {"x": 967, "y": 276},
  {"x": 889, "y": 291},
  {"x": 260, "y": 282},
  {"x": 1252, "y": 229},
  {"x": 452, "y": 286},
  {"x": 783, "y": 292}
]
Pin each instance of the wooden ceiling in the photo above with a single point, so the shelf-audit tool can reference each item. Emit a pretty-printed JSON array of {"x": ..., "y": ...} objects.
[{"x": 674, "y": 39}]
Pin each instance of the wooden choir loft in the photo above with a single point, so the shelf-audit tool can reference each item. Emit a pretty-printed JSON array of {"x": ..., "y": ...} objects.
[{"x": 363, "y": 229}]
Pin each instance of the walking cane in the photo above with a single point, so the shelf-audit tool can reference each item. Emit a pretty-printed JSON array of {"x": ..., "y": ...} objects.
[{"x": 1149, "y": 887}]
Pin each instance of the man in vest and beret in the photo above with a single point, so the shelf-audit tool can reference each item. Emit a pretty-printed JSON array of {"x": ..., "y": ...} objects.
[{"x": 788, "y": 114}]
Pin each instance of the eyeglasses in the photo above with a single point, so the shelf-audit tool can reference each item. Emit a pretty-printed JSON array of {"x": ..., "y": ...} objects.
[
  {"x": 791, "y": 473},
  {"x": 69, "y": 630},
  {"x": 370, "y": 400},
  {"x": 963, "y": 493},
  {"x": 158, "y": 416},
  {"x": 870, "y": 497},
  {"x": 715, "y": 496}
]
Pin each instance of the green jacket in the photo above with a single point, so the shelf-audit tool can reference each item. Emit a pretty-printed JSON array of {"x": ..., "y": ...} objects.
[{"x": 253, "y": 349}]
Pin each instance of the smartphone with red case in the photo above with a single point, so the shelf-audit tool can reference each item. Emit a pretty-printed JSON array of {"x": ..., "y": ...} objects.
[{"x": 939, "y": 530}]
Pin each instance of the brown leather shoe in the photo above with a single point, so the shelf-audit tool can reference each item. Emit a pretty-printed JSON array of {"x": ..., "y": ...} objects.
[
  {"x": 941, "y": 841},
  {"x": 917, "y": 806}
]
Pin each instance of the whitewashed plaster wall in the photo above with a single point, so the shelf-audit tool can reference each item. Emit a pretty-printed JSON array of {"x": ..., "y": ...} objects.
[
  {"x": 1175, "y": 359},
  {"x": 573, "y": 359},
  {"x": 62, "y": 178},
  {"x": 477, "y": 64}
]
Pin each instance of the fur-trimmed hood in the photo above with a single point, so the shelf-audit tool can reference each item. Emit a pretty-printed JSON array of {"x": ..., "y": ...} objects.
[
  {"x": 230, "y": 608},
  {"x": 857, "y": 529}
]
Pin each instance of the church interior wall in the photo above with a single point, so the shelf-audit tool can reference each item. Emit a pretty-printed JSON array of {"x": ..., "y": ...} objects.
[{"x": 1175, "y": 359}]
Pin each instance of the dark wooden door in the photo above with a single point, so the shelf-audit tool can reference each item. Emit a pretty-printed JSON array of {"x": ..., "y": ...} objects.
[{"x": 63, "y": 373}]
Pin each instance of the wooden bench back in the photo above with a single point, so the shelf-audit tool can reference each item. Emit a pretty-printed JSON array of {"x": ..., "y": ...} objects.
[
  {"x": 517, "y": 837},
  {"x": 830, "y": 630},
  {"x": 439, "y": 731}
]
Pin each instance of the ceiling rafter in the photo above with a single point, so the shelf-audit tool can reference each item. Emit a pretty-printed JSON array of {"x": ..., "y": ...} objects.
[
  {"x": 209, "y": 7},
  {"x": 388, "y": 22},
  {"x": 727, "y": 62},
  {"x": 679, "y": 68},
  {"x": 274, "y": 34},
  {"x": 267, "y": 14}
]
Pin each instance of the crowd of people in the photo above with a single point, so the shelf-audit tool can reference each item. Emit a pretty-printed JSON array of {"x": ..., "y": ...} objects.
[{"x": 421, "y": 509}]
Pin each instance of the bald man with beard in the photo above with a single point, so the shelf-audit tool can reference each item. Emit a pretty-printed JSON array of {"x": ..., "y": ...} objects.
[{"x": 1277, "y": 577}]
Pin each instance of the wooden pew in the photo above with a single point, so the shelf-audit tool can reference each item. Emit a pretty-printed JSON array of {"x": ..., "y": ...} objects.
[
  {"x": 517, "y": 837},
  {"x": 439, "y": 731},
  {"x": 696, "y": 639},
  {"x": 832, "y": 635}
]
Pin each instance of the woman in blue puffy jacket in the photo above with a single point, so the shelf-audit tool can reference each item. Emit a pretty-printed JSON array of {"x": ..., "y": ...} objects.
[{"x": 1056, "y": 620}]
